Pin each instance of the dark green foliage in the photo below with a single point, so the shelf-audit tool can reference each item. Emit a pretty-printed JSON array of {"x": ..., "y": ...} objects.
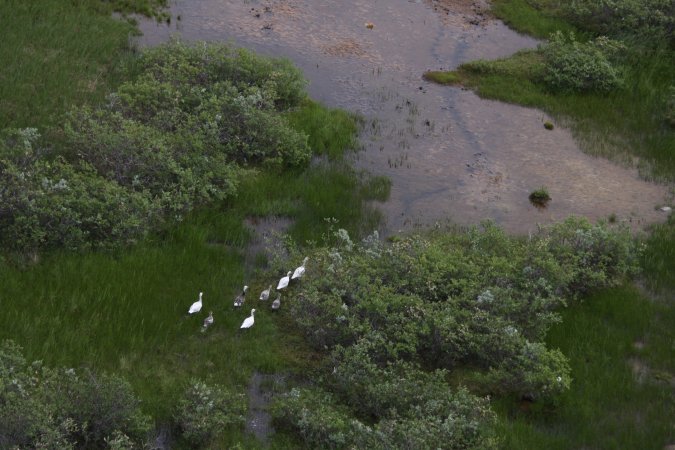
[
  {"x": 203, "y": 411},
  {"x": 477, "y": 303},
  {"x": 548, "y": 125},
  {"x": 48, "y": 203},
  {"x": 175, "y": 137},
  {"x": 572, "y": 66},
  {"x": 651, "y": 20},
  {"x": 63, "y": 408},
  {"x": 540, "y": 196}
]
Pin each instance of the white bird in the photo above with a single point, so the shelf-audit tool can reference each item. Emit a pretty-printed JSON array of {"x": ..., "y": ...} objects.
[
  {"x": 264, "y": 295},
  {"x": 300, "y": 271},
  {"x": 208, "y": 321},
  {"x": 196, "y": 306},
  {"x": 277, "y": 303},
  {"x": 284, "y": 281},
  {"x": 239, "y": 300},
  {"x": 248, "y": 322}
]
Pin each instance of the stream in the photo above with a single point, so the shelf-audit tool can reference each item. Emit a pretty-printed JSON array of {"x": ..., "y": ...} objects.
[{"x": 451, "y": 156}]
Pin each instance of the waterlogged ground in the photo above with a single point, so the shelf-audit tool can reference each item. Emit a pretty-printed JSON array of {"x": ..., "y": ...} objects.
[{"x": 450, "y": 155}]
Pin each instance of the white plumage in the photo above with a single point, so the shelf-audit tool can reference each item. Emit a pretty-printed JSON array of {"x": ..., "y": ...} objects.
[
  {"x": 300, "y": 271},
  {"x": 196, "y": 306},
  {"x": 239, "y": 299},
  {"x": 248, "y": 322},
  {"x": 277, "y": 303},
  {"x": 264, "y": 295},
  {"x": 284, "y": 281},
  {"x": 208, "y": 321}
]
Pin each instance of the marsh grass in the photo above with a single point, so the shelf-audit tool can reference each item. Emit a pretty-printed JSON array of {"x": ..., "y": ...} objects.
[
  {"x": 55, "y": 54},
  {"x": 619, "y": 344}
]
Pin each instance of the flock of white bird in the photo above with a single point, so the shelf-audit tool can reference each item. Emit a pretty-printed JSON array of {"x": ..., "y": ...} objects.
[{"x": 264, "y": 295}]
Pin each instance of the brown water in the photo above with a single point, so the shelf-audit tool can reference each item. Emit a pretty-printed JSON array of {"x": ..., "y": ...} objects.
[{"x": 450, "y": 155}]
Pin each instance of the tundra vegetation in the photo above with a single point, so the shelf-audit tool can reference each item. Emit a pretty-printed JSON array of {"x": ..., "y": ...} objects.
[{"x": 124, "y": 194}]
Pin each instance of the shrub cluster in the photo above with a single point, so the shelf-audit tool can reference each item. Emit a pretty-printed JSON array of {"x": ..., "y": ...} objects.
[
  {"x": 46, "y": 202},
  {"x": 479, "y": 301},
  {"x": 178, "y": 135},
  {"x": 63, "y": 408},
  {"x": 203, "y": 411},
  {"x": 652, "y": 19},
  {"x": 573, "y": 66}
]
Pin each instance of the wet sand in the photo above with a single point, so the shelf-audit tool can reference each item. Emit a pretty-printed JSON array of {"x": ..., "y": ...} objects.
[{"x": 451, "y": 156}]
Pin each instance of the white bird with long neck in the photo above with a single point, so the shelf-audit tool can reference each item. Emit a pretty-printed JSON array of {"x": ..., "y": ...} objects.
[
  {"x": 239, "y": 300},
  {"x": 300, "y": 271},
  {"x": 276, "y": 303},
  {"x": 248, "y": 322},
  {"x": 208, "y": 321},
  {"x": 284, "y": 281},
  {"x": 196, "y": 306},
  {"x": 264, "y": 295}
]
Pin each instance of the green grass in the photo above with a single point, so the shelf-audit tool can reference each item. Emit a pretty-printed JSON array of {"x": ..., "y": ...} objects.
[
  {"x": 522, "y": 17},
  {"x": 440, "y": 77},
  {"x": 55, "y": 54},
  {"x": 540, "y": 196},
  {"x": 333, "y": 130},
  {"x": 606, "y": 408}
]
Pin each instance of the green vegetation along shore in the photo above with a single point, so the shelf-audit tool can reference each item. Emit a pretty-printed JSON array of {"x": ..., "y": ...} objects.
[
  {"x": 606, "y": 72},
  {"x": 131, "y": 181}
]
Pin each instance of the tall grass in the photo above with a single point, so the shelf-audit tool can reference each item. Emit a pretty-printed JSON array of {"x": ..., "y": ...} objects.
[
  {"x": 55, "y": 54},
  {"x": 620, "y": 348}
]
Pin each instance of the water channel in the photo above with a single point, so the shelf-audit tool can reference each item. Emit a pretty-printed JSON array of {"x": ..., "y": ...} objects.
[{"x": 451, "y": 156}]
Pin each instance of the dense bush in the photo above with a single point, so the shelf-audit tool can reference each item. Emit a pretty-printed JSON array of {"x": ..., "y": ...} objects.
[
  {"x": 179, "y": 134},
  {"x": 62, "y": 408},
  {"x": 653, "y": 19},
  {"x": 402, "y": 319},
  {"x": 203, "y": 411},
  {"x": 46, "y": 202},
  {"x": 578, "y": 67}
]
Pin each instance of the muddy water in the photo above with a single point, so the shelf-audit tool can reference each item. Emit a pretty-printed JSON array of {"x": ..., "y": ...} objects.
[{"x": 450, "y": 155}]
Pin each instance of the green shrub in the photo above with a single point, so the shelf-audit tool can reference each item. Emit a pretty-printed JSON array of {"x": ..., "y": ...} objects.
[
  {"x": 573, "y": 66},
  {"x": 203, "y": 411},
  {"x": 48, "y": 203},
  {"x": 540, "y": 196},
  {"x": 61, "y": 408},
  {"x": 652, "y": 19}
]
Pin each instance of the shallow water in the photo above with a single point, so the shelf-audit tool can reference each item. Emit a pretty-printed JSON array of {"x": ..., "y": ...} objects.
[{"x": 451, "y": 156}]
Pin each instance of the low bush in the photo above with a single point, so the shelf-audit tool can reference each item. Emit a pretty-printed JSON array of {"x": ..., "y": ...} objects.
[
  {"x": 63, "y": 408},
  {"x": 651, "y": 19},
  {"x": 203, "y": 411},
  {"x": 402, "y": 319},
  {"x": 49, "y": 203},
  {"x": 573, "y": 66}
]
